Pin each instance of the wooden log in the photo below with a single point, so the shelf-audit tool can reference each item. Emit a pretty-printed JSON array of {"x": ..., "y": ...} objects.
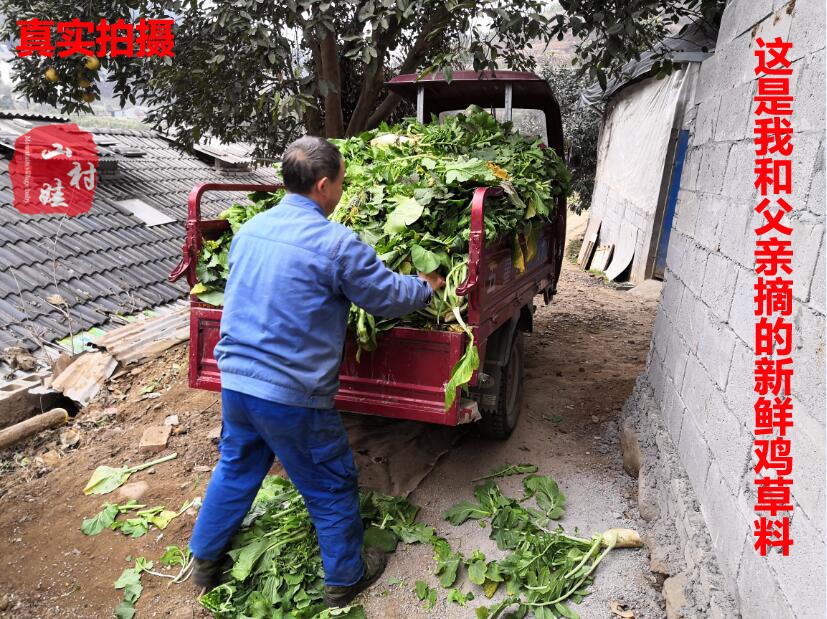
[{"x": 50, "y": 419}]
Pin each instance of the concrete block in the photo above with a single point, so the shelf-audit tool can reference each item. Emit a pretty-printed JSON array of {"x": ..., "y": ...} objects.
[
  {"x": 808, "y": 157},
  {"x": 817, "y": 294},
  {"x": 706, "y": 85},
  {"x": 155, "y": 438},
  {"x": 729, "y": 440},
  {"x": 673, "y": 410},
  {"x": 691, "y": 168},
  {"x": 807, "y": 239},
  {"x": 800, "y": 577},
  {"x": 741, "y": 313},
  {"x": 775, "y": 25},
  {"x": 807, "y": 28},
  {"x": 715, "y": 347},
  {"x": 694, "y": 453},
  {"x": 739, "y": 181},
  {"x": 694, "y": 267},
  {"x": 719, "y": 285},
  {"x": 740, "y": 16},
  {"x": 808, "y": 107},
  {"x": 660, "y": 333},
  {"x": 737, "y": 62},
  {"x": 677, "y": 352},
  {"x": 671, "y": 299},
  {"x": 711, "y": 217},
  {"x": 684, "y": 321},
  {"x": 675, "y": 254},
  {"x": 713, "y": 166},
  {"x": 737, "y": 236},
  {"x": 16, "y": 401},
  {"x": 808, "y": 383},
  {"x": 705, "y": 123},
  {"x": 739, "y": 390},
  {"x": 815, "y": 198},
  {"x": 733, "y": 122},
  {"x": 759, "y": 592},
  {"x": 807, "y": 440},
  {"x": 699, "y": 392},
  {"x": 686, "y": 213},
  {"x": 657, "y": 377}
]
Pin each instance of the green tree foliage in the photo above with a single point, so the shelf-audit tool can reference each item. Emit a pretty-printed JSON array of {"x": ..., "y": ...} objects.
[
  {"x": 265, "y": 72},
  {"x": 581, "y": 128}
]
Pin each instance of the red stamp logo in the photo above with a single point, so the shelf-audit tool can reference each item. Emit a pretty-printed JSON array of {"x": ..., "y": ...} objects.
[{"x": 54, "y": 170}]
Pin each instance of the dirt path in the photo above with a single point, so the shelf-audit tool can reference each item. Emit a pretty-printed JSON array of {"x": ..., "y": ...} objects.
[
  {"x": 586, "y": 350},
  {"x": 582, "y": 360}
]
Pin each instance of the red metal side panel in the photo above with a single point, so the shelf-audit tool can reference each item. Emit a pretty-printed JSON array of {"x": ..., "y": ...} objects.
[
  {"x": 204, "y": 333},
  {"x": 404, "y": 377}
]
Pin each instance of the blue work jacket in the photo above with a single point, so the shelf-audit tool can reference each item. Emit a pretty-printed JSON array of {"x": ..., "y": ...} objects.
[{"x": 293, "y": 275}]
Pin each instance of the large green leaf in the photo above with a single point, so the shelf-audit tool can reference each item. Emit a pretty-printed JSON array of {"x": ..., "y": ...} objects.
[
  {"x": 247, "y": 556},
  {"x": 105, "y": 479},
  {"x": 424, "y": 261},
  {"x": 407, "y": 211},
  {"x": 464, "y": 510},
  {"x": 548, "y": 496},
  {"x": 462, "y": 372},
  {"x": 100, "y": 521},
  {"x": 384, "y": 539}
]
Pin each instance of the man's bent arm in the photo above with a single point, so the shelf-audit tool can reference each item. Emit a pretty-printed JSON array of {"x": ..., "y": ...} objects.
[{"x": 365, "y": 280}]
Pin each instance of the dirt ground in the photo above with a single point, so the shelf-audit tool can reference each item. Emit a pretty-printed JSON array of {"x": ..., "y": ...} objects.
[{"x": 587, "y": 348}]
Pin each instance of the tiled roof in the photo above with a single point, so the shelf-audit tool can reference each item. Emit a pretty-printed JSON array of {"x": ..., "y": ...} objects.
[{"x": 107, "y": 260}]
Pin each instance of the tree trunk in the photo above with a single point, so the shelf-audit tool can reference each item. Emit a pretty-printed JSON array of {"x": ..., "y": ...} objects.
[
  {"x": 333, "y": 120},
  {"x": 313, "y": 122},
  {"x": 371, "y": 86}
]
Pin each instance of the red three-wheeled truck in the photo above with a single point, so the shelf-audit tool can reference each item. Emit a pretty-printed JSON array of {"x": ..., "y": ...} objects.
[{"x": 405, "y": 376}]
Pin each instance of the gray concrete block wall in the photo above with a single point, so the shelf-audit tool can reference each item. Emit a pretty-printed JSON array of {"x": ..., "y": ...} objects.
[{"x": 700, "y": 366}]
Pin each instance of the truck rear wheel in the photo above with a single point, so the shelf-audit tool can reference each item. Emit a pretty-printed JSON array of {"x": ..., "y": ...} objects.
[{"x": 498, "y": 423}]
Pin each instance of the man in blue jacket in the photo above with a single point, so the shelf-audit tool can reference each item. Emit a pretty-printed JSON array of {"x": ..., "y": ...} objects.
[{"x": 293, "y": 276}]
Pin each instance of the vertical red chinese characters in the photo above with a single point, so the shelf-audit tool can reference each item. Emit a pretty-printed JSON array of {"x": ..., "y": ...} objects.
[{"x": 773, "y": 298}]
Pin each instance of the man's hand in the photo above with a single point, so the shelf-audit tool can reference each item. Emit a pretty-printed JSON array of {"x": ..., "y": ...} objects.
[{"x": 435, "y": 280}]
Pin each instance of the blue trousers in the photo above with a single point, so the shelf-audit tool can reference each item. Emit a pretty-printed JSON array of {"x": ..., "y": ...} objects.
[{"x": 312, "y": 446}]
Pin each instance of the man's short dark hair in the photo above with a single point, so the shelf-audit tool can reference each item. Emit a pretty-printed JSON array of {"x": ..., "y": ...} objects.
[{"x": 308, "y": 160}]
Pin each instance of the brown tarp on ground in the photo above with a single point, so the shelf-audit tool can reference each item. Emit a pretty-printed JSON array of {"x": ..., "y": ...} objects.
[{"x": 394, "y": 456}]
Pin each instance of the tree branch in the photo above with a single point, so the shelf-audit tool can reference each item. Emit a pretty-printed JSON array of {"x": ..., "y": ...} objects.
[{"x": 412, "y": 61}]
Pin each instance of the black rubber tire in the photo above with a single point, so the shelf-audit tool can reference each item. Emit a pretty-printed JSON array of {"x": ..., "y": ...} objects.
[{"x": 499, "y": 423}]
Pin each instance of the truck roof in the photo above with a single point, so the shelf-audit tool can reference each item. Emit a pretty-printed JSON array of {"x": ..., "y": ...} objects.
[{"x": 486, "y": 89}]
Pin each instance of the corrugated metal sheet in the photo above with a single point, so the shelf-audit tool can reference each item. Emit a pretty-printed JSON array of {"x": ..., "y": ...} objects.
[
  {"x": 144, "y": 339},
  {"x": 105, "y": 262}
]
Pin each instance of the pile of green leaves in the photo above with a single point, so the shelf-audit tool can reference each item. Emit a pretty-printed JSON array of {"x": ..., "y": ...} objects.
[
  {"x": 276, "y": 569},
  {"x": 408, "y": 191},
  {"x": 546, "y": 568}
]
